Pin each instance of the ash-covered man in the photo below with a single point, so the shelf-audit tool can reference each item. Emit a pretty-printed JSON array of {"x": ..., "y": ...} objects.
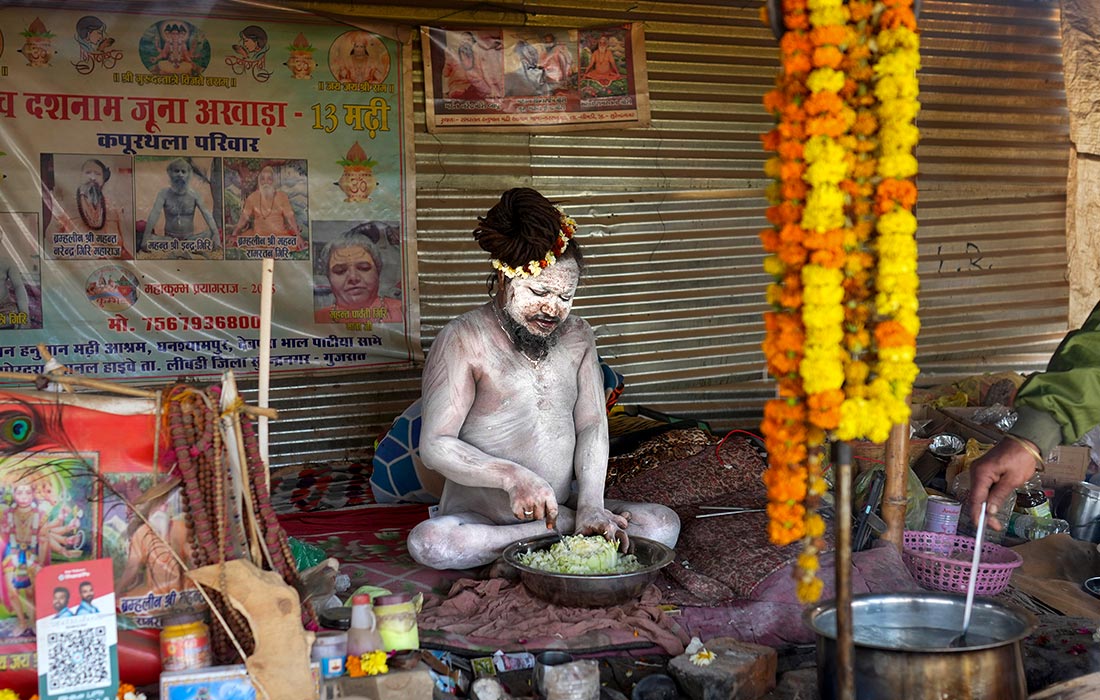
[
  {"x": 514, "y": 406},
  {"x": 178, "y": 203}
]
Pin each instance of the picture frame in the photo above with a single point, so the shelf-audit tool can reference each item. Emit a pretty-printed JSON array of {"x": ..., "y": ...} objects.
[
  {"x": 217, "y": 683},
  {"x": 213, "y": 683}
]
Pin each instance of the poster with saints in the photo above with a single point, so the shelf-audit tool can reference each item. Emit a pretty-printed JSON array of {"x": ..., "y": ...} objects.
[
  {"x": 152, "y": 160},
  {"x": 534, "y": 78}
]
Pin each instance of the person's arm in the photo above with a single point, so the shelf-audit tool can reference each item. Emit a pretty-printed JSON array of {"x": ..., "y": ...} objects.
[
  {"x": 590, "y": 454},
  {"x": 211, "y": 225},
  {"x": 19, "y": 285},
  {"x": 449, "y": 388},
  {"x": 1056, "y": 406},
  {"x": 247, "y": 212},
  {"x": 154, "y": 214}
]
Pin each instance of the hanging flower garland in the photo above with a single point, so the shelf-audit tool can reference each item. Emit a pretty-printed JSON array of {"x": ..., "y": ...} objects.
[{"x": 841, "y": 336}]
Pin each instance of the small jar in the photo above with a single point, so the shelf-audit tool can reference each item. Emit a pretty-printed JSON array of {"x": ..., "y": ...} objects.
[
  {"x": 184, "y": 642},
  {"x": 330, "y": 649},
  {"x": 397, "y": 620}
]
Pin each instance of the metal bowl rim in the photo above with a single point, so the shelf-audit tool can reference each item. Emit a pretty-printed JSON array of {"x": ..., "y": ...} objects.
[
  {"x": 1027, "y": 620},
  {"x": 667, "y": 554}
]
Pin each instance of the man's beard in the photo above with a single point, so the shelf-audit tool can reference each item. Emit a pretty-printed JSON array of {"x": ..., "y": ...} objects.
[
  {"x": 267, "y": 191},
  {"x": 531, "y": 345},
  {"x": 91, "y": 192}
]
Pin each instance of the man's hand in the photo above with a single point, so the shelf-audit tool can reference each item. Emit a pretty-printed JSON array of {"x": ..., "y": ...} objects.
[
  {"x": 601, "y": 521},
  {"x": 531, "y": 497},
  {"x": 994, "y": 475}
]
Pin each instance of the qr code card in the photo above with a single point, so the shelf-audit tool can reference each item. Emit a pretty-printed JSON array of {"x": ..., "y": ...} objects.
[{"x": 77, "y": 631}]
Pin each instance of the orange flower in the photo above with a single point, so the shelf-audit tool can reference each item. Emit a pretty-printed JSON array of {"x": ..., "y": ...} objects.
[
  {"x": 827, "y": 57},
  {"x": 790, "y": 150},
  {"x": 825, "y": 408},
  {"x": 794, "y": 189},
  {"x": 891, "y": 334},
  {"x": 891, "y": 191},
  {"x": 771, "y": 140},
  {"x": 797, "y": 63},
  {"x": 835, "y": 34},
  {"x": 823, "y": 103},
  {"x": 892, "y": 19}
]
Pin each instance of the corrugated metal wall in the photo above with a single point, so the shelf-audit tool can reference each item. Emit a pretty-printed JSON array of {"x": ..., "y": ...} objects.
[{"x": 669, "y": 214}]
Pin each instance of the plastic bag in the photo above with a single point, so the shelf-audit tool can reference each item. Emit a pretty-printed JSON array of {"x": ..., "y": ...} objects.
[
  {"x": 306, "y": 556},
  {"x": 916, "y": 498}
]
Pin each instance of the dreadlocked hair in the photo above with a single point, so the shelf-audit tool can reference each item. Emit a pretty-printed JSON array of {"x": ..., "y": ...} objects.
[{"x": 521, "y": 227}]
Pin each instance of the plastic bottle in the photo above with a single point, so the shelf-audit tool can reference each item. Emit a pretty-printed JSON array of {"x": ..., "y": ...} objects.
[
  {"x": 1029, "y": 527},
  {"x": 1032, "y": 500},
  {"x": 363, "y": 635},
  {"x": 960, "y": 488}
]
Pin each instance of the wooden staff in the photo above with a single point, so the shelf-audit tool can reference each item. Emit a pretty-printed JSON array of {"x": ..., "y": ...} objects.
[
  {"x": 100, "y": 385},
  {"x": 845, "y": 638},
  {"x": 897, "y": 479},
  {"x": 267, "y": 280}
]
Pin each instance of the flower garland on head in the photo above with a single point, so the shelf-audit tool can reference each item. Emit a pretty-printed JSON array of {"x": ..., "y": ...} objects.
[
  {"x": 841, "y": 337},
  {"x": 533, "y": 268}
]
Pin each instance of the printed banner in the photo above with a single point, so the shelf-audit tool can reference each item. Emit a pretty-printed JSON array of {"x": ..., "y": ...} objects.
[
  {"x": 534, "y": 78},
  {"x": 70, "y": 464},
  {"x": 151, "y": 161}
]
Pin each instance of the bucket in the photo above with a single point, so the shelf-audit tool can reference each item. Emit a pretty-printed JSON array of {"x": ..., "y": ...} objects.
[
  {"x": 902, "y": 648},
  {"x": 1083, "y": 512}
]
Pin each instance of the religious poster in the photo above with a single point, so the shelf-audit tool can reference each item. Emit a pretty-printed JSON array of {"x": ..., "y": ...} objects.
[
  {"x": 73, "y": 472},
  {"x": 534, "y": 78},
  {"x": 150, "y": 161},
  {"x": 77, "y": 632}
]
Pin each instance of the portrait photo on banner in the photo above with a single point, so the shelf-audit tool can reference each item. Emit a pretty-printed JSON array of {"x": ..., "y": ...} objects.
[
  {"x": 20, "y": 271},
  {"x": 179, "y": 208},
  {"x": 266, "y": 208},
  {"x": 88, "y": 208},
  {"x": 357, "y": 273}
]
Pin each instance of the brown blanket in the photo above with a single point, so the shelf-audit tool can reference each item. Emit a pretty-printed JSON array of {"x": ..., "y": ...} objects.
[{"x": 499, "y": 614}]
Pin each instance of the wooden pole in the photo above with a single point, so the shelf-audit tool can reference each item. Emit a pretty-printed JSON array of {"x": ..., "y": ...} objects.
[
  {"x": 845, "y": 638},
  {"x": 897, "y": 478},
  {"x": 267, "y": 281},
  {"x": 99, "y": 384}
]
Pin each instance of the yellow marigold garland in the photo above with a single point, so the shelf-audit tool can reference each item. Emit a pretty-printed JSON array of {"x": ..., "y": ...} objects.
[{"x": 841, "y": 338}]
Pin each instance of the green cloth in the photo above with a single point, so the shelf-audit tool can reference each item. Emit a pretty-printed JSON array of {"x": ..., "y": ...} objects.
[{"x": 1058, "y": 406}]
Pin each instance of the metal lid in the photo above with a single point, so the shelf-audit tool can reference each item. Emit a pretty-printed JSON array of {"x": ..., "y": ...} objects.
[
  {"x": 336, "y": 618},
  {"x": 946, "y": 445}
]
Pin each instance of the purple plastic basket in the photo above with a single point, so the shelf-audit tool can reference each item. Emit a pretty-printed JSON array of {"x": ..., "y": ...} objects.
[{"x": 941, "y": 562}]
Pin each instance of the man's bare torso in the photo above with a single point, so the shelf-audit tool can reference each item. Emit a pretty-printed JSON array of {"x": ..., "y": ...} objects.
[{"x": 520, "y": 412}]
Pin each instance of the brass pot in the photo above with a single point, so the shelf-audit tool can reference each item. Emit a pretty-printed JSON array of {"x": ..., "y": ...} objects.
[{"x": 902, "y": 648}]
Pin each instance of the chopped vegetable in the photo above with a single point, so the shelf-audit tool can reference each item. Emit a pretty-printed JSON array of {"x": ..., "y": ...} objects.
[{"x": 581, "y": 554}]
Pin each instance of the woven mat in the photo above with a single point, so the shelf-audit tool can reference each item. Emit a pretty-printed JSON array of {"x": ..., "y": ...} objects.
[{"x": 313, "y": 487}]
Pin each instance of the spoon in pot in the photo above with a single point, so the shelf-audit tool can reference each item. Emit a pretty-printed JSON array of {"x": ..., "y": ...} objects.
[{"x": 959, "y": 641}]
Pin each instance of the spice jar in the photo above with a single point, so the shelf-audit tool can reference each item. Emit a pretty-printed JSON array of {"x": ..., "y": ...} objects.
[
  {"x": 184, "y": 642},
  {"x": 330, "y": 649},
  {"x": 397, "y": 620}
]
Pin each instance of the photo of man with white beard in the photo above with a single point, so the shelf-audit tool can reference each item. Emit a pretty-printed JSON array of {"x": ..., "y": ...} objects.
[{"x": 88, "y": 207}]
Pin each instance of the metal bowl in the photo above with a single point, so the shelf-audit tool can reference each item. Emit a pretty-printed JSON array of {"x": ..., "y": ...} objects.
[{"x": 589, "y": 591}]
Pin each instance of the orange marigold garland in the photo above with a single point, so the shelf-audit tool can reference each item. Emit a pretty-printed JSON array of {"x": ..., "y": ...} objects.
[{"x": 841, "y": 335}]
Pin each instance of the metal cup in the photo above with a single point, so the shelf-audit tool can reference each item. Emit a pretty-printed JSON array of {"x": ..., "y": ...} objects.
[{"x": 544, "y": 665}]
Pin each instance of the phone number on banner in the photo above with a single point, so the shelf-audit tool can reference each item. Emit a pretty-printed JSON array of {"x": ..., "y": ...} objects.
[{"x": 201, "y": 323}]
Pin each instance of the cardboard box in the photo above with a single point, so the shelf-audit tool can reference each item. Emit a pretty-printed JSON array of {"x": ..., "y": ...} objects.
[{"x": 1068, "y": 463}]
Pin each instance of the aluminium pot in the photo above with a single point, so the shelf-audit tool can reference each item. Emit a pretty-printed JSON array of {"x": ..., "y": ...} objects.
[{"x": 902, "y": 648}]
